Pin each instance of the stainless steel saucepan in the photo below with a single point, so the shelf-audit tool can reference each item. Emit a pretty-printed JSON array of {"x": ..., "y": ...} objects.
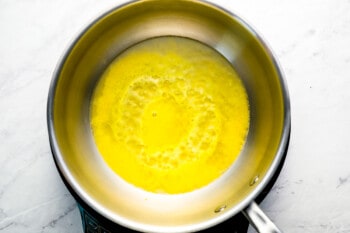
[{"x": 93, "y": 182}]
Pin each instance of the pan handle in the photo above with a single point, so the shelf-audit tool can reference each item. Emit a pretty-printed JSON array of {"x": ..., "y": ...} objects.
[{"x": 259, "y": 220}]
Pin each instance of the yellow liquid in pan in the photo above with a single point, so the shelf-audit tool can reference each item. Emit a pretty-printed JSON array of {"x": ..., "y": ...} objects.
[{"x": 169, "y": 115}]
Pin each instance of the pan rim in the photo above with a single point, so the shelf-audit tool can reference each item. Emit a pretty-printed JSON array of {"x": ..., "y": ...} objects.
[{"x": 64, "y": 170}]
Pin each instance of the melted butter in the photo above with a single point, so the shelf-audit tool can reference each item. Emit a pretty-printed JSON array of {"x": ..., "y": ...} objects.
[{"x": 169, "y": 115}]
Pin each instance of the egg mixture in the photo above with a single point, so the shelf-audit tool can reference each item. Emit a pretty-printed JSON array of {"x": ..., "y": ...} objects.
[{"x": 169, "y": 115}]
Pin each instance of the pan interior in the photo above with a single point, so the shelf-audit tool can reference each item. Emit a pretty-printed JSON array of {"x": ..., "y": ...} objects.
[
  {"x": 76, "y": 153},
  {"x": 168, "y": 117}
]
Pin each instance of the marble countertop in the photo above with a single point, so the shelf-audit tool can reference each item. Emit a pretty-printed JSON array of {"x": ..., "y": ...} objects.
[{"x": 311, "y": 40}]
